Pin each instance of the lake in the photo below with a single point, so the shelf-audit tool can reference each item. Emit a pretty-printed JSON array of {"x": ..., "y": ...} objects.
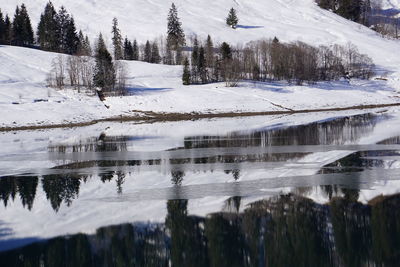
[{"x": 317, "y": 189}]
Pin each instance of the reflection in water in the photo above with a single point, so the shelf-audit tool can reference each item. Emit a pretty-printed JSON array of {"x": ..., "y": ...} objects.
[
  {"x": 63, "y": 186},
  {"x": 285, "y": 230}
]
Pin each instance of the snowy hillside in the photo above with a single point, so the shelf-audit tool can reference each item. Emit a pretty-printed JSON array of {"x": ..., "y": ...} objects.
[
  {"x": 25, "y": 100},
  {"x": 388, "y": 4},
  {"x": 287, "y": 19}
]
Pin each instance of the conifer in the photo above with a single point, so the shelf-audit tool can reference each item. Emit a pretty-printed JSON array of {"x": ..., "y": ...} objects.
[{"x": 232, "y": 19}]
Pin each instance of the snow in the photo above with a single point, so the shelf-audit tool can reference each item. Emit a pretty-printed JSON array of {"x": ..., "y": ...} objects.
[
  {"x": 25, "y": 99},
  {"x": 389, "y": 4}
]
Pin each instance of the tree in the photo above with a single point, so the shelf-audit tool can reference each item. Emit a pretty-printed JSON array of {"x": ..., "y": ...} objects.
[
  {"x": 232, "y": 19},
  {"x": 176, "y": 36},
  {"x": 104, "y": 74},
  {"x": 195, "y": 60},
  {"x": 155, "y": 54},
  {"x": 186, "y": 72},
  {"x": 22, "y": 28},
  {"x": 128, "y": 50},
  {"x": 201, "y": 66},
  {"x": 209, "y": 50},
  {"x": 147, "y": 52},
  {"x": 2, "y": 28},
  {"x": 71, "y": 38},
  {"x": 63, "y": 20},
  {"x": 225, "y": 51},
  {"x": 135, "y": 55},
  {"x": 48, "y": 29},
  {"x": 84, "y": 48},
  {"x": 8, "y": 30},
  {"x": 117, "y": 40}
]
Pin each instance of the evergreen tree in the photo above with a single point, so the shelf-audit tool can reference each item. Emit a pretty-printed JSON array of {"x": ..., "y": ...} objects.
[
  {"x": 232, "y": 19},
  {"x": 195, "y": 60},
  {"x": 176, "y": 36},
  {"x": 63, "y": 22},
  {"x": 117, "y": 40},
  {"x": 48, "y": 29},
  {"x": 155, "y": 54},
  {"x": 8, "y": 34},
  {"x": 226, "y": 51},
  {"x": 209, "y": 50},
  {"x": 128, "y": 50},
  {"x": 104, "y": 74},
  {"x": 147, "y": 52},
  {"x": 2, "y": 28},
  {"x": 135, "y": 55},
  {"x": 71, "y": 38},
  {"x": 84, "y": 48},
  {"x": 22, "y": 28},
  {"x": 87, "y": 46},
  {"x": 186, "y": 72},
  {"x": 201, "y": 66}
]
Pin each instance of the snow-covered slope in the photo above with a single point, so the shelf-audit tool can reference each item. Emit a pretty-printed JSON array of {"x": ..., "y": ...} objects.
[
  {"x": 389, "y": 4},
  {"x": 23, "y": 71},
  {"x": 287, "y": 19}
]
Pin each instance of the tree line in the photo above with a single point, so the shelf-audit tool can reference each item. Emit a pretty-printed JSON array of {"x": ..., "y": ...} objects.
[{"x": 268, "y": 60}]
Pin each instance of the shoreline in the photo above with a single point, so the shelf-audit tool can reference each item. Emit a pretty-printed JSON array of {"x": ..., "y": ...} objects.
[{"x": 153, "y": 117}]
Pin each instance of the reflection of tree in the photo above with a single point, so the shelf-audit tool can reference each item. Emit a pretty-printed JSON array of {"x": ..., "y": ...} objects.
[
  {"x": 385, "y": 221},
  {"x": 226, "y": 241},
  {"x": 177, "y": 177},
  {"x": 351, "y": 225},
  {"x": 233, "y": 204},
  {"x": 61, "y": 188},
  {"x": 188, "y": 244},
  {"x": 25, "y": 186},
  {"x": 282, "y": 231},
  {"x": 296, "y": 234},
  {"x": 336, "y": 131}
]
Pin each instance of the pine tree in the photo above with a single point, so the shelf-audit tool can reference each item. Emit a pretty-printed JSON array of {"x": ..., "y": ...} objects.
[
  {"x": 186, "y": 72},
  {"x": 104, "y": 74},
  {"x": 209, "y": 50},
  {"x": 117, "y": 40},
  {"x": 232, "y": 19},
  {"x": 135, "y": 51},
  {"x": 155, "y": 54},
  {"x": 71, "y": 38},
  {"x": 84, "y": 48},
  {"x": 147, "y": 52},
  {"x": 226, "y": 51},
  {"x": 195, "y": 60},
  {"x": 22, "y": 28},
  {"x": 87, "y": 46},
  {"x": 63, "y": 20},
  {"x": 48, "y": 29},
  {"x": 2, "y": 28},
  {"x": 201, "y": 66},
  {"x": 8, "y": 34},
  {"x": 128, "y": 50},
  {"x": 176, "y": 36}
]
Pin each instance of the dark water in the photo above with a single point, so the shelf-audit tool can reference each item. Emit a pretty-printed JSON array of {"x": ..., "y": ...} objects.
[{"x": 311, "y": 195}]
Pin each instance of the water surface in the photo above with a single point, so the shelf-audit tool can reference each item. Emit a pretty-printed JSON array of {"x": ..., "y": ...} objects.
[{"x": 267, "y": 191}]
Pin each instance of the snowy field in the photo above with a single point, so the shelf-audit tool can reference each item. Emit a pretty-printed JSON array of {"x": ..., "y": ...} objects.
[{"x": 25, "y": 100}]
